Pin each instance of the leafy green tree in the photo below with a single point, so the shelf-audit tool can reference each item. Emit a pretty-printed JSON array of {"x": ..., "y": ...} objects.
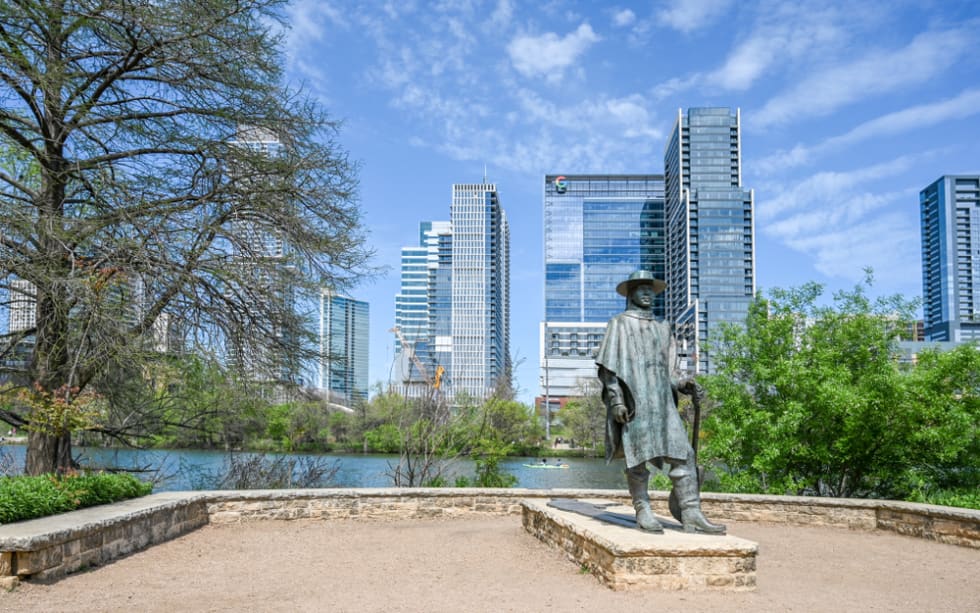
[
  {"x": 340, "y": 426},
  {"x": 386, "y": 438},
  {"x": 138, "y": 124},
  {"x": 584, "y": 417},
  {"x": 811, "y": 399},
  {"x": 506, "y": 421},
  {"x": 487, "y": 454}
]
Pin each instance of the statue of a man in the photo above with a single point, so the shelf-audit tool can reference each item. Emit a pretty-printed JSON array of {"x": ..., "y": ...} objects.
[{"x": 639, "y": 386}]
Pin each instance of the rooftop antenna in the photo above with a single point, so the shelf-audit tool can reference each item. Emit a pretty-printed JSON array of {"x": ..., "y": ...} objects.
[{"x": 484, "y": 174}]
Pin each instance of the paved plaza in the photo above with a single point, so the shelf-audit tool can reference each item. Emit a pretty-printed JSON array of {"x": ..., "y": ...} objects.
[{"x": 491, "y": 564}]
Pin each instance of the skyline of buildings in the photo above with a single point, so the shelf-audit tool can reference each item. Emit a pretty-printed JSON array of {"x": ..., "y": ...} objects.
[
  {"x": 693, "y": 227},
  {"x": 950, "y": 224},
  {"x": 452, "y": 312},
  {"x": 422, "y": 316}
]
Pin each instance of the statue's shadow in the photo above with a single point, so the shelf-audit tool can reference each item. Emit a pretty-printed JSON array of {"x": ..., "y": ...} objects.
[{"x": 600, "y": 512}]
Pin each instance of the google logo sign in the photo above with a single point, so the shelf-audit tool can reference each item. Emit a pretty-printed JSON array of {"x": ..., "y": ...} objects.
[{"x": 561, "y": 184}]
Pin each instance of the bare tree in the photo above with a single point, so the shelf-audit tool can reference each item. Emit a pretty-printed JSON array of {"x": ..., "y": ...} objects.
[{"x": 150, "y": 153}]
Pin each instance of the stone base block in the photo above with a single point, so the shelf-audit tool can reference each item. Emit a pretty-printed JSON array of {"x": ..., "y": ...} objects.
[{"x": 626, "y": 558}]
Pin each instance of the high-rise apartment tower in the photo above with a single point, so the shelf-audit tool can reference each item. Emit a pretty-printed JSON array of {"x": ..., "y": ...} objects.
[
  {"x": 710, "y": 269},
  {"x": 480, "y": 290},
  {"x": 950, "y": 217}
]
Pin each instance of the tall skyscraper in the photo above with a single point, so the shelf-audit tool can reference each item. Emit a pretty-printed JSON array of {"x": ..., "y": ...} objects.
[
  {"x": 343, "y": 347},
  {"x": 259, "y": 250},
  {"x": 950, "y": 217},
  {"x": 480, "y": 290},
  {"x": 710, "y": 219},
  {"x": 597, "y": 230}
]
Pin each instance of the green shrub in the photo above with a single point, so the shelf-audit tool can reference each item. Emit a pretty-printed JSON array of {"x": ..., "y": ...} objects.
[
  {"x": 386, "y": 438},
  {"x": 26, "y": 497},
  {"x": 967, "y": 498}
]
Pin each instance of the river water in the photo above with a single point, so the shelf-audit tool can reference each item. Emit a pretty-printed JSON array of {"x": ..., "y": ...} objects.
[{"x": 179, "y": 470}]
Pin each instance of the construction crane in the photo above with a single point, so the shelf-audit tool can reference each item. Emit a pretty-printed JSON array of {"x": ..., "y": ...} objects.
[{"x": 415, "y": 360}]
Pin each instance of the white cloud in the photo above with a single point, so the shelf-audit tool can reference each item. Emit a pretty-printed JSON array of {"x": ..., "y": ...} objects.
[
  {"x": 781, "y": 36},
  {"x": 689, "y": 15},
  {"x": 876, "y": 73},
  {"x": 675, "y": 85},
  {"x": 966, "y": 104},
  {"x": 841, "y": 221},
  {"x": 889, "y": 244},
  {"x": 502, "y": 14},
  {"x": 829, "y": 189},
  {"x": 548, "y": 54},
  {"x": 309, "y": 23},
  {"x": 623, "y": 18},
  {"x": 611, "y": 134},
  {"x": 625, "y": 117}
]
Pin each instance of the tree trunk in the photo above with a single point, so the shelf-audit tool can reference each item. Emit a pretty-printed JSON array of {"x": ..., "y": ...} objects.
[{"x": 48, "y": 453}]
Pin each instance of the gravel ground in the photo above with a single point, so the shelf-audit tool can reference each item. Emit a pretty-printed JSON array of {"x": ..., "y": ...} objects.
[{"x": 491, "y": 564}]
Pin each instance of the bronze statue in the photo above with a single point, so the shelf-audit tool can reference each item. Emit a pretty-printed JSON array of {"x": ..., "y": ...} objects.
[{"x": 639, "y": 387}]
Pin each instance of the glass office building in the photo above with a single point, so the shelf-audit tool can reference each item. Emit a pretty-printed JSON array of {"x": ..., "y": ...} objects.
[
  {"x": 950, "y": 218},
  {"x": 598, "y": 229},
  {"x": 423, "y": 308},
  {"x": 710, "y": 230},
  {"x": 343, "y": 347}
]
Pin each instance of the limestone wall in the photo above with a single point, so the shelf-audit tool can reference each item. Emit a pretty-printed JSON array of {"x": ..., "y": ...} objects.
[
  {"x": 51, "y": 547},
  {"x": 943, "y": 524}
]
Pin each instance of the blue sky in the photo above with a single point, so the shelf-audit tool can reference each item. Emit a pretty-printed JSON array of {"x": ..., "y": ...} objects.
[{"x": 848, "y": 110}]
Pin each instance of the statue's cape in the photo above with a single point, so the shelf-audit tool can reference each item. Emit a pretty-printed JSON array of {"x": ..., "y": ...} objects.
[{"x": 638, "y": 350}]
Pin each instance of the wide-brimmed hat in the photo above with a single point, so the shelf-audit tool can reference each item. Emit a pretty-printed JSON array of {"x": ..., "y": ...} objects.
[{"x": 640, "y": 277}]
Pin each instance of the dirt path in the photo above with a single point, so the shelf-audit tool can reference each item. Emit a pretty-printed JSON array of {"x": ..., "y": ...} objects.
[{"x": 493, "y": 565}]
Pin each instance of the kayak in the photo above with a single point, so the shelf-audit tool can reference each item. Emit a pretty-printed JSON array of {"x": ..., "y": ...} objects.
[{"x": 546, "y": 465}]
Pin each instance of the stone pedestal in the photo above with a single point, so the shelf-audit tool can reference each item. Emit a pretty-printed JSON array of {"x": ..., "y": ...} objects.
[{"x": 625, "y": 557}]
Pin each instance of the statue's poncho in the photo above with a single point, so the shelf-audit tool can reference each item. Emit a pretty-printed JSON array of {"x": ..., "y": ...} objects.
[{"x": 638, "y": 350}]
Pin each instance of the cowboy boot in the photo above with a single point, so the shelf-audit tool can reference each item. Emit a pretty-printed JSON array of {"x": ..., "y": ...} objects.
[
  {"x": 638, "y": 478},
  {"x": 686, "y": 490}
]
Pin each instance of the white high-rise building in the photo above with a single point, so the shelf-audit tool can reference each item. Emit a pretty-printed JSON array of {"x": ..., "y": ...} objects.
[
  {"x": 480, "y": 290},
  {"x": 452, "y": 314},
  {"x": 259, "y": 249}
]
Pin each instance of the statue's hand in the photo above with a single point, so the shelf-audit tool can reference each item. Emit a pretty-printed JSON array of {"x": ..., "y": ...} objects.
[{"x": 619, "y": 413}]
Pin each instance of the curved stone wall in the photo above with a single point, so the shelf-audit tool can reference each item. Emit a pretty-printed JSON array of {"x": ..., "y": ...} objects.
[{"x": 943, "y": 524}]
